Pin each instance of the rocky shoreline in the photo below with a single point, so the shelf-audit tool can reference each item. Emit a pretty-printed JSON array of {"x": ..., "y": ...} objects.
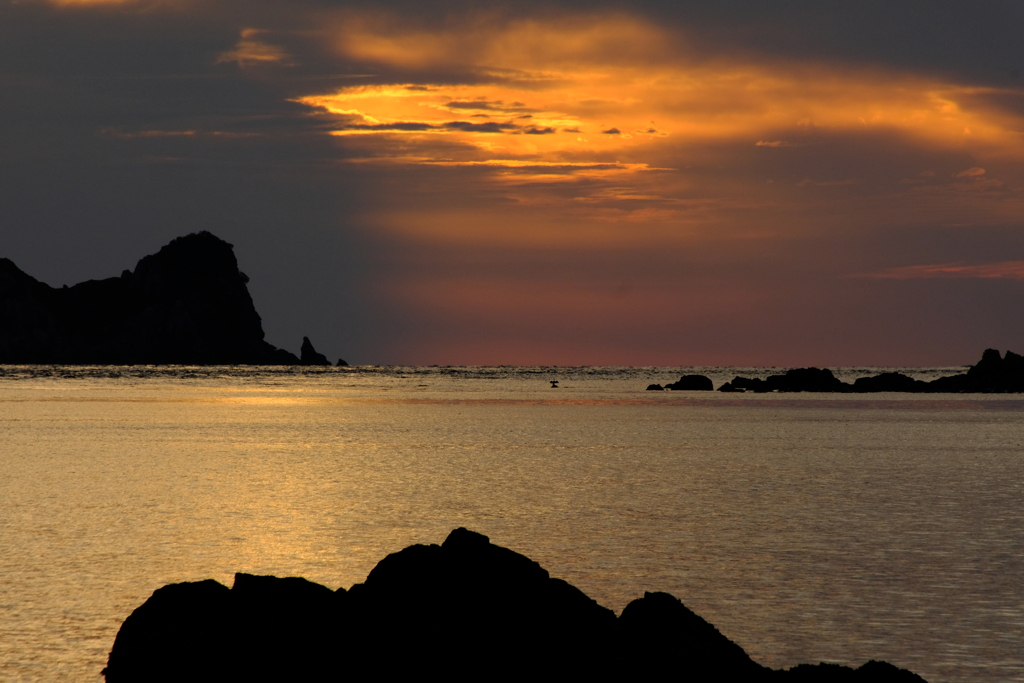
[
  {"x": 993, "y": 374},
  {"x": 465, "y": 610}
]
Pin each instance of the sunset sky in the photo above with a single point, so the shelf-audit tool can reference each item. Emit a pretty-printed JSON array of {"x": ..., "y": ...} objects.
[{"x": 642, "y": 183}]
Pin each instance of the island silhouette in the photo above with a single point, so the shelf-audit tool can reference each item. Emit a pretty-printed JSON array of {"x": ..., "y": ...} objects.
[
  {"x": 188, "y": 304},
  {"x": 993, "y": 374},
  {"x": 463, "y": 610}
]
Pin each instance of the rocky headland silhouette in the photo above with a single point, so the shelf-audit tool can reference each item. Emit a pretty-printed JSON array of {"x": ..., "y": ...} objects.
[
  {"x": 463, "y": 610},
  {"x": 993, "y": 374},
  {"x": 188, "y": 304}
]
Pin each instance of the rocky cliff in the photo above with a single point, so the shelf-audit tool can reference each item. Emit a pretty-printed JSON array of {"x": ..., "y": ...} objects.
[
  {"x": 187, "y": 304},
  {"x": 463, "y": 610}
]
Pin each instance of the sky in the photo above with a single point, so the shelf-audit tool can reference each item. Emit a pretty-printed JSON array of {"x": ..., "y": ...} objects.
[{"x": 557, "y": 183}]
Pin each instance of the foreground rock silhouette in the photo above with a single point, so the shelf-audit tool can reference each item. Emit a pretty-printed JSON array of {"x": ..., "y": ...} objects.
[
  {"x": 464, "y": 610},
  {"x": 993, "y": 374},
  {"x": 188, "y": 304}
]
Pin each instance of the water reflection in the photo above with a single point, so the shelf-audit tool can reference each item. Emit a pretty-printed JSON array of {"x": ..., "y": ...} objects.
[{"x": 804, "y": 528}]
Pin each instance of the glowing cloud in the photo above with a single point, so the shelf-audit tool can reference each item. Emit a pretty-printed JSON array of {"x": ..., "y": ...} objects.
[
  {"x": 575, "y": 104},
  {"x": 521, "y": 50},
  {"x": 612, "y": 88}
]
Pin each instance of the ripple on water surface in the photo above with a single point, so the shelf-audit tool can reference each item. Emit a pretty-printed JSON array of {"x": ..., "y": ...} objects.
[{"x": 805, "y": 527}]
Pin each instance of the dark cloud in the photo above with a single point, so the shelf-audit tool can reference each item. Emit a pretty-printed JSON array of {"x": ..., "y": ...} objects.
[
  {"x": 969, "y": 42},
  {"x": 974, "y": 42},
  {"x": 465, "y": 126},
  {"x": 489, "y": 127},
  {"x": 475, "y": 105},
  {"x": 398, "y": 125}
]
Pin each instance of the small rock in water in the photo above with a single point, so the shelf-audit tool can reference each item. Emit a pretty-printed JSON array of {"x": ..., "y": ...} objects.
[
  {"x": 310, "y": 356},
  {"x": 691, "y": 383}
]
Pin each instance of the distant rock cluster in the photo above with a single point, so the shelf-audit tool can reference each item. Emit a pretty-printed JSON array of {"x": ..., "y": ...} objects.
[
  {"x": 686, "y": 383},
  {"x": 463, "y": 610},
  {"x": 993, "y": 374},
  {"x": 188, "y": 304}
]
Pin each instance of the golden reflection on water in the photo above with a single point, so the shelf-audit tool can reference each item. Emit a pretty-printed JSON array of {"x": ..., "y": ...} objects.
[
  {"x": 254, "y": 397},
  {"x": 805, "y": 528}
]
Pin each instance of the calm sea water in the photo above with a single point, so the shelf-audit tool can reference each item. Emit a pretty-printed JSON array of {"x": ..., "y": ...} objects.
[{"x": 806, "y": 527}]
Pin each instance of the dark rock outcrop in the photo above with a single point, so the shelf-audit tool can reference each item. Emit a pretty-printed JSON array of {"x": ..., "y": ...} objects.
[
  {"x": 186, "y": 304},
  {"x": 889, "y": 381},
  {"x": 497, "y": 607},
  {"x": 465, "y": 610},
  {"x": 180, "y": 627},
  {"x": 871, "y": 672},
  {"x": 674, "y": 640},
  {"x": 797, "y": 379},
  {"x": 993, "y": 374},
  {"x": 655, "y": 387},
  {"x": 691, "y": 383},
  {"x": 309, "y": 355},
  {"x": 262, "y": 629}
]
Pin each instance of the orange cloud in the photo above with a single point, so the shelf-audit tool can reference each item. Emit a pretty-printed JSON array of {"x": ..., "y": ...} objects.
[
  {"x": 605, "y": 74},
  {"x": 607, "y": 87},
  {"x": 527, "y": 50},
  {"x": 604, "y": 130}
]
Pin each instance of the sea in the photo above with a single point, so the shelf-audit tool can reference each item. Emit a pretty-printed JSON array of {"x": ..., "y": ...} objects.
[{"x": 806, "y": 527}]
